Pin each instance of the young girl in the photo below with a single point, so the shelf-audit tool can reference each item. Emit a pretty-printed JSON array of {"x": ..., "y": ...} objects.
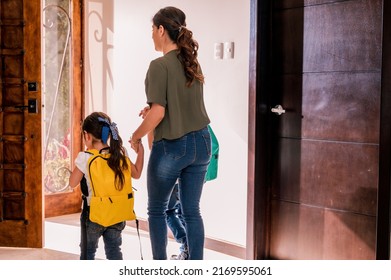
[{"x": 98, "y": 131}]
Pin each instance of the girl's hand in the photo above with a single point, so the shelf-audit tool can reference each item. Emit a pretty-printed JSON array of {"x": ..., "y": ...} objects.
[
  {"x": 140, "y": 148},
  {"x": 135, "y": 145}
]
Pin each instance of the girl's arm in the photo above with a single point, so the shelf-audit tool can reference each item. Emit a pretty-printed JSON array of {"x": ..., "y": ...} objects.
[
  {"x": 137, "y": 167},
  {"x": 75, "y": 177}
]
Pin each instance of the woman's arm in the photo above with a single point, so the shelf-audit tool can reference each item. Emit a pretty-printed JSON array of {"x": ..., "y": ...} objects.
[
  {"x": 150, "y": 121},
  {"x": 150, "y": 139}
]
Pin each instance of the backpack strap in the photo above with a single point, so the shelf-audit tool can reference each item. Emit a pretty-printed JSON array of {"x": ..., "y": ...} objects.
[
  {"x": 104, "y": 149},
  {"x": 91, "y": 152},
  {"x": 95, "y": 154},
  {"x": 83, "y": 182},
  {"x": 139, "y": 239},
  {"x": 84, "y": 187}
]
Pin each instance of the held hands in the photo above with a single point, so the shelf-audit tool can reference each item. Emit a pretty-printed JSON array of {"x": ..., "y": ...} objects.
[{"x": 136, "y": 145}]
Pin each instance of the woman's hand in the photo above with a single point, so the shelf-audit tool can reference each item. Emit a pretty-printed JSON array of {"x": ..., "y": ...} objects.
[
  {"x": 144, "y": 112},
  {"x": 152, "y": 116},
  {"x": 135, "y": 144}
]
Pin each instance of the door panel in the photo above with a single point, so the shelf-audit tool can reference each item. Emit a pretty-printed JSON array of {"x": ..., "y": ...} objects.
[
  {"x": 341, "y": 106},
  {"x": 343, "y": 36},
  {"x": 305, "y": 232},
  {"x": 63, "y": 103},
  {"x": 333, "y": 175},
  {"x": 326, "y": 66},
  {"x": 20, "y": 125}
]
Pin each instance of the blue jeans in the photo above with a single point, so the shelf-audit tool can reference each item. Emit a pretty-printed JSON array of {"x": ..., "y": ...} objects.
[
  {"x": 175, "y": 219},
  {"x": 184, "y": 159},
  {"x": 90, "y": 234}
]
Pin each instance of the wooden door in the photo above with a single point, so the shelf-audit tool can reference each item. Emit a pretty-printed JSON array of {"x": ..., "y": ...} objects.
[
  {"x": 316, "y": 164},
  {"x": 62, "y": 77},
  {"x": 22, "y": 188},
  {"x": 21, "y": 208}
]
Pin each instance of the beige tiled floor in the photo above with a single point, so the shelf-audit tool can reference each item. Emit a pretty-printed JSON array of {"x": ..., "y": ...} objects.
[{"x": 62, "y": 235}]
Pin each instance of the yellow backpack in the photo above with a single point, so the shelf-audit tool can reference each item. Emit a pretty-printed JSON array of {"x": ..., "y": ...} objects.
[{"x": 109, "y": 206}]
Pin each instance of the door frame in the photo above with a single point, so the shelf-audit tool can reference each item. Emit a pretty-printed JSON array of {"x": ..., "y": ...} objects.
[
  {"x": 384, "y": 194},
  {"x": 258, "y": 208},
  {"x": 258, "y": 197}
]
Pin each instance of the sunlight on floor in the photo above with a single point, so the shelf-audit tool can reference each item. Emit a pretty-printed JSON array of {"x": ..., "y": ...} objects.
[
  {"x": 62, "y": 237},
  {"x": 66, "y": 238}
]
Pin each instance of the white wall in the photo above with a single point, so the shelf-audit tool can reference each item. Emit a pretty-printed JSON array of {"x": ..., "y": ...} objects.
[
  {"x": 98, "y": 58},
  {"x": 226, "y": 92}
]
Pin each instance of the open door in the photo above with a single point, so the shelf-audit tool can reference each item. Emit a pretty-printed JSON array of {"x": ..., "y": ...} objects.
[
  {"x": 21, "y": 208},
  {"x": 62, "y": 115},
  {"x": 40, "y": 64},
  {"x": 327, "y": 76},
  {"x": 318, "y": 104}
]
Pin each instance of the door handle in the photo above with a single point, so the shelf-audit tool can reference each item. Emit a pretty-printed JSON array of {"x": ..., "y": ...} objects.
[
  {"x": 278, "y": 110},
  {"x": 32, "y": 106}
]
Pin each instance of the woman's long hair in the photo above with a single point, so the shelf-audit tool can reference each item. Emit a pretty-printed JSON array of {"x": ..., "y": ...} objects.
[
  {"x": 94, "y": 125},
  {"x": 174, "y": 22}
]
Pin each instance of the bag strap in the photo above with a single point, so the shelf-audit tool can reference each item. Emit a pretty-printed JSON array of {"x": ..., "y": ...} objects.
[
  {"x": 104, "y": 149},
  {"x": 89, "y": 170},
  {"x": 139, "y": 239}
]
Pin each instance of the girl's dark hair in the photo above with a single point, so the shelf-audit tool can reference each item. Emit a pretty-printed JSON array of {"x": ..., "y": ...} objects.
[
  {"x": 117, "y": 160},
  {"x": 174, "y": 22}
]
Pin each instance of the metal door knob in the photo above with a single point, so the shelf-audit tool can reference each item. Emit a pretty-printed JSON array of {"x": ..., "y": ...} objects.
[{"x": 278, "y": 110}]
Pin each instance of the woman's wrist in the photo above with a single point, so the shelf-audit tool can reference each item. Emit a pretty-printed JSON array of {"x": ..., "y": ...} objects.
[{"x": 135, "y": 140}]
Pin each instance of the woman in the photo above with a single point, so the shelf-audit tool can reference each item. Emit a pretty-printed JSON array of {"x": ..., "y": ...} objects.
[{"x": 176, "y": 116}]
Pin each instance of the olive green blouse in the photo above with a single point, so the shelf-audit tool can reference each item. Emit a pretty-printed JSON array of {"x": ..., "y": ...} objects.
[{"x": 165, "y": 84}]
